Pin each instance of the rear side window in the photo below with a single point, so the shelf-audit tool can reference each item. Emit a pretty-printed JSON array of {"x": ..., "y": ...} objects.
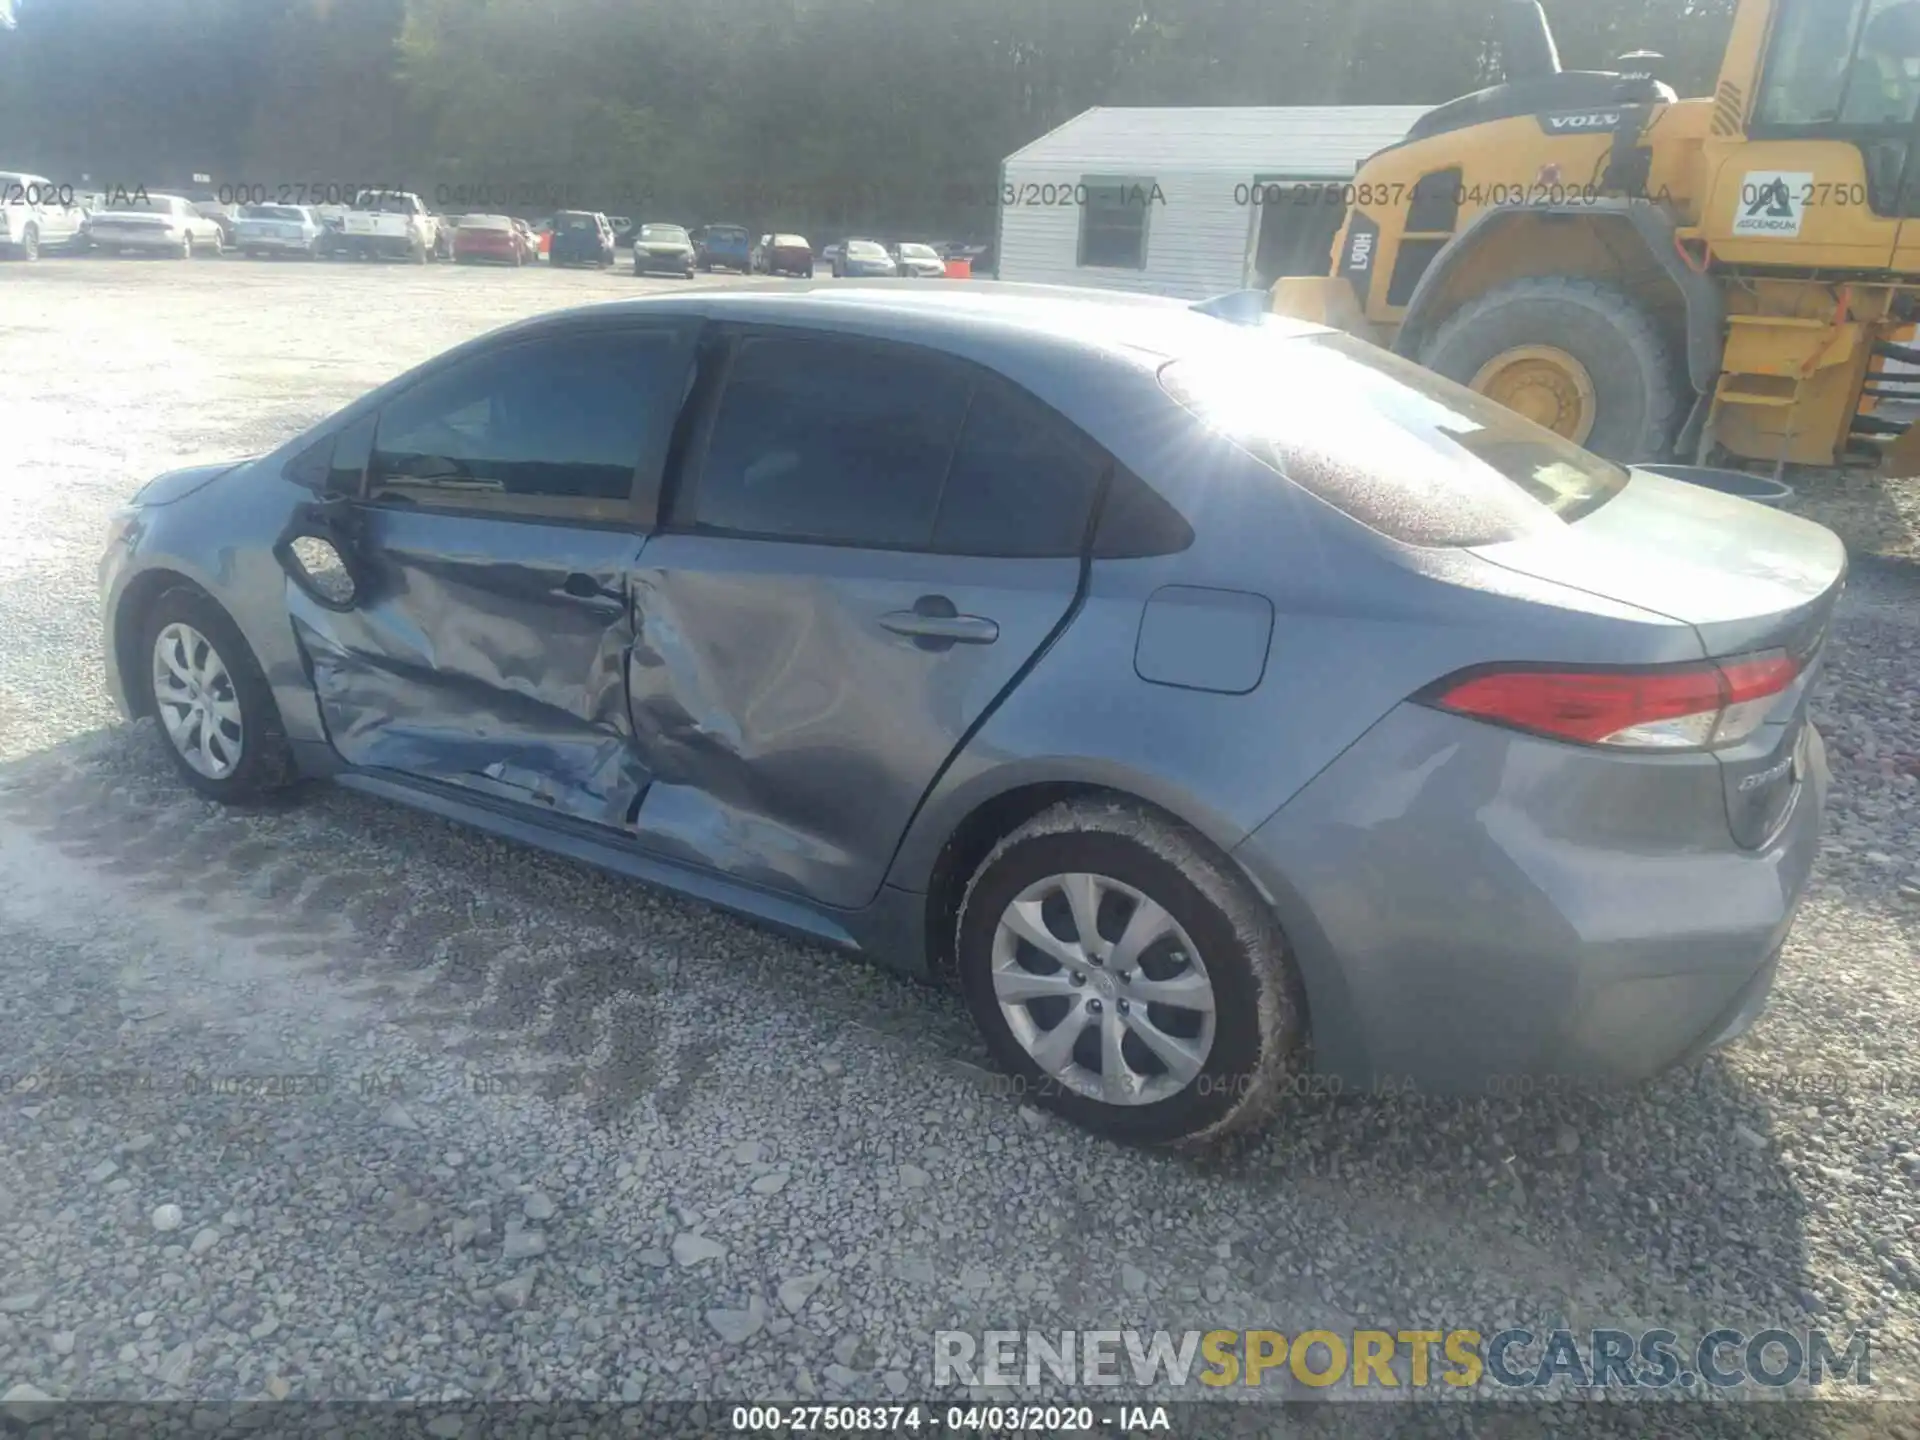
[
  {"x": 1022, "y": 482},
  {"x": 1409, "y": 453},
  {"x": 562, "y": 419},
  {"x": 826, "y": 440}
]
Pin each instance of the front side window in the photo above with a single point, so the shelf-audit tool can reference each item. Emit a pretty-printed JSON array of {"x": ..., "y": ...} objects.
[
  {"x": 561, "y": 420},
  {"x": 833, "y": 441},
  {"x": 1113, "y": 222},
  {"x": 1843, "y": 63}
]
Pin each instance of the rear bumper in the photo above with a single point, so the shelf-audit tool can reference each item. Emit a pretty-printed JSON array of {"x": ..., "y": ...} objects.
[
  {"x": 1475, "y": 911},
  {"x": 669, "y": 264},
  {"x": 135, "y": 240},
  {"x": 376, "y": 244},
  {"x": 283, "y": 244}
]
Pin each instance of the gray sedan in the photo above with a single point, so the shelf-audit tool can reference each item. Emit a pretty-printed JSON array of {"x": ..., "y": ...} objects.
[
  {"x": 1231, "y": 711},
  {"x": 663, "y": 249}
]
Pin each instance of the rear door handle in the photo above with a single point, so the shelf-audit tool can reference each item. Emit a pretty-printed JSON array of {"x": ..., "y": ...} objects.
[{"x": 936, "y": 624}]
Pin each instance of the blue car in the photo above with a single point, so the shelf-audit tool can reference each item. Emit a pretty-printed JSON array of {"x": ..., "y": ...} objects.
[
  {"x": 726, "y": 247},
  {"x": 581, "y": 237},
  {"x": 1205, "y": 701}
]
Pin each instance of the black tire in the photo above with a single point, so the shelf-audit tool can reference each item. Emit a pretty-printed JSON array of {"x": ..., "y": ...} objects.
[
  {"x": 1259, "y": 1035},
  {"x": 185, "y": 251},
  {"x": 266, "y": 761},
  {"x": 29, "y": 247},
  {"x": 1639, "y": 385}
]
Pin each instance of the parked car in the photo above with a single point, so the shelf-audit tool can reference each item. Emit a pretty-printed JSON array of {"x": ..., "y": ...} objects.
[
  {"x": 830, "y": 254},
  {"x": 723, "y": 247},
  {"x": 1256, "y": 700},
  {"x": 208, "y": 203},
  {"x": 37, "y": 215},
  {"x": 263, "y": 230},
  {"x": 919, "y": 261},
  {"x": 389, "y": 224},
  {"x": 783, "y": 255},
  {"x": 582, "y": 237},
  {"x": 658, "y": 248},
  {"x": 863, "y": 259},
  {"x": 152, "y": 223},
  {"x": 496, "y": 238},
  {"x": 622, "y": 231},
  {"x": 531, "y": 238}
]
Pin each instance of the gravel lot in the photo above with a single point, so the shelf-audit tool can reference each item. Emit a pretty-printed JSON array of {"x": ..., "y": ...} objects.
[{"x": 538, "y": 1133}]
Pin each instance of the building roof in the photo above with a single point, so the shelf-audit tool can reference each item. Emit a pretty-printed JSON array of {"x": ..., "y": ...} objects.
[{"x": 1242, "y": 139}]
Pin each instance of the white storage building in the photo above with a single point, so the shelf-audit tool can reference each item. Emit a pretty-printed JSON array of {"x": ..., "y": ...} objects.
[{"x": 1190, "y": 201}]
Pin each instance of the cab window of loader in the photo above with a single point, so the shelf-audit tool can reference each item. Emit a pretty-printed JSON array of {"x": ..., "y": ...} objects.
[{"x": 1852, "y": 64}]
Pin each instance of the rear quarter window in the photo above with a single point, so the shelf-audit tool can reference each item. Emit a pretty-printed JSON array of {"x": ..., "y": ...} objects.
[{"x": 1406, "y": 452}]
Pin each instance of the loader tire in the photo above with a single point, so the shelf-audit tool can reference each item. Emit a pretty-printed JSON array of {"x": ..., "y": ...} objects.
[{"x": 1626, "y": 395}]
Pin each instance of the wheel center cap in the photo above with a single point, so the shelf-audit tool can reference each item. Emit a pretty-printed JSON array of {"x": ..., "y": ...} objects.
[{"x": 1104, "y": 982}]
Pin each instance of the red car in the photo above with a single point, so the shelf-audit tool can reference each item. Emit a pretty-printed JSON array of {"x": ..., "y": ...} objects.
[
  {"x": 491, "y": 237},
  {"x": 783, "y": 255}
]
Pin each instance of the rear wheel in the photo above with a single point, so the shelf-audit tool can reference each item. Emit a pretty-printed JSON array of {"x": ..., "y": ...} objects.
[
  {"x": 216, "y": 712},
  {"x": 185, "y": 251},
  {"x": 1127, "y": 978},
  {"x": 1582, "y": 358}
]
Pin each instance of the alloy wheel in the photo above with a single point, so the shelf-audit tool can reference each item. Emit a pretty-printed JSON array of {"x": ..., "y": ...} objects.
[
  {"x": 1103, "y": 988},
  {"x": 198, "y": 705}
]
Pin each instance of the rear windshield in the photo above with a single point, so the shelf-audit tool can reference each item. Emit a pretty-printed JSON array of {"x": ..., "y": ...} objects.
[
  {"x": 662, "y": 232},
  {"x": 485, "y": 222},
  {"x": 725, "y": 232},
  {"x": 1415, "y": 456},
  {"x": 789, "y": 242},
  {"x": 271, "y": 212},
  {"x": 578, "y": 220}
]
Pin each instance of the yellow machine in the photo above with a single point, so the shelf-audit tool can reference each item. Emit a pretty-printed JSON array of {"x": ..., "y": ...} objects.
[{"x": 1656, "y": 277}]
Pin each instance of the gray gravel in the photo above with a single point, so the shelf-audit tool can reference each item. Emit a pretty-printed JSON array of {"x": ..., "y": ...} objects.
[{"x": 343, "y": 1102}]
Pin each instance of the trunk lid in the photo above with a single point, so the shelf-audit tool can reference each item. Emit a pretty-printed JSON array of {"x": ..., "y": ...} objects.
[{"x": 1745, "y": 577}]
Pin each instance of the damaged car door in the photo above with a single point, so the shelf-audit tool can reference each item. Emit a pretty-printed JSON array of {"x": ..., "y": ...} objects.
[
  {"x": 869, "y": 543},
  {"x": 494, "y": 532}
]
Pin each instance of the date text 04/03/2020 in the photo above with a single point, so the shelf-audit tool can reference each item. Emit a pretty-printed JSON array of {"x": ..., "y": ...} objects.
[{"x": 961, "y": 1419}]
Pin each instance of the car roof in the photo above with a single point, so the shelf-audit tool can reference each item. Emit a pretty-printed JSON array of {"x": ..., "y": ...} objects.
[{"x": 975, "y": 316}]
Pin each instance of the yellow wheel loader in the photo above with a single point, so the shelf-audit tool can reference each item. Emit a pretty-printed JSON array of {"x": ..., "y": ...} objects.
[{"x": 1662, "y": 278}]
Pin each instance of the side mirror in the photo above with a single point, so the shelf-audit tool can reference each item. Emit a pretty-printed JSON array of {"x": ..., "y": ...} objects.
[{"x": 320, "y": 553}]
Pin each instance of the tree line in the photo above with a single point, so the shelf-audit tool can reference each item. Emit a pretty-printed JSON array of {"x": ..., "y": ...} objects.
[{"x": 807, "y": 114}]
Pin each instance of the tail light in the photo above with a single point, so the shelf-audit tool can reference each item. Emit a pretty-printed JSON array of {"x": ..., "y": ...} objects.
[{"x": 1684, "y": 707}]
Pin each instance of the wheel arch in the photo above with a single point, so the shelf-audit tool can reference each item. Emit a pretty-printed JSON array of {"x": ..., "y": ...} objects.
[
  {"x": 130, "y": 613},
  {"x": 1631, "y": 244},
  {"x": 942, "y": 852}
]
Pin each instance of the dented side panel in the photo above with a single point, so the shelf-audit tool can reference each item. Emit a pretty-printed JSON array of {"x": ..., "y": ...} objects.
[
  {"x": 792, "y": 734},
  {"x": 485, "y": 653}
]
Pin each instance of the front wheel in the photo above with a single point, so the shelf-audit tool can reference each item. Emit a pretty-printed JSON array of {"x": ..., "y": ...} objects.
[
  {"x": 29, "y": 247},
  {"x": 1127, "y": 978},
  {"x": 186, "y": 247},
  {"x": 217, "y": 716}
]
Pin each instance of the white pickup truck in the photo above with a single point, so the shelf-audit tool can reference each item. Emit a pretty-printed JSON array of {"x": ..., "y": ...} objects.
[
  {"x": 391, "y": 223},
  {"x": 36, "y": 214}
]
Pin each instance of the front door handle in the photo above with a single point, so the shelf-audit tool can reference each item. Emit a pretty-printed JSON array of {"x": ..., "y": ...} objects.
[{"x": 935, "y": 623}]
